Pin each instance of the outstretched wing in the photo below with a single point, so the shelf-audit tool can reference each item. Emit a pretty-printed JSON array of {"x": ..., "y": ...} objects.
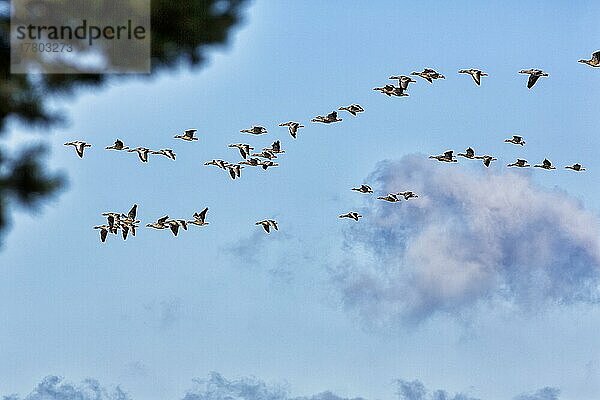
[
  {"x": 596, "y": 57},
  {"x": 79, "y": 147},
  {"x": 532, "y": 80},
  {"x": 133, "y": 212},
  {"x": 202, "y": 214},
  {"x": 143, "y": 155}
]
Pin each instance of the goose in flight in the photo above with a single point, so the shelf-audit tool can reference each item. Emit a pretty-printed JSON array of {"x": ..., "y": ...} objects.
[
  {"x": 407, "y": 194},
  {"x": 594, "y": 61},
  {"x": 521, "y": 163},
  {"x": 546, "y": 164},
  {"x": 268, "y": 154},
  {"x": 363, "y": 189},
  {"x": 391, "y": 90},
  {"x": 446, "y": 157},
  {"x": 255, "y": 130},
  {"x": 391, "y": 198},
  {"x": 267, "y": 224},
  {"x": 292, "y": 127},
  {"x": 515, "y": 140},
  {"x": 353, "y": 109},
  {"x": 403, "y": 80},
  {"x": 188, "y": 135},
  {"x": 129, "y": 226},
  {"x": 218, "y": 163},
  {"x": 275, "y": 148},
  {"x": 165, "y": 152},
  {"x": 243, "y": 148},
  {"x": 252, "y": 161},
  {"x": 160, "y": 223},
  {"x": 469, "y": 153},
  {"x": 487, "y": 160},
  {"x": 199, "y": 218},
  {"x": 476, "y": 74},
  {"x": 235, "y": 170},
  {"x": 429, "y": 75},
  {"x": 142, "y": 153},
  {"x": 352, "y": 214},
  {"x": 130, "y": 219},
  {"x": 534, "y": 75},
  {"x": 118, "y": 145},
  {"x": 113, "y": 220},
  {"x": 79, "y": 146},
  {"x": 173, "y": 225},
  {"x": 328, "y": 119},
  {"x": 180, "y": 222},
  {"x": 268, "y": 163},
  {"x": 575, "y": 167},
  {"x": 104, "y": 229}
]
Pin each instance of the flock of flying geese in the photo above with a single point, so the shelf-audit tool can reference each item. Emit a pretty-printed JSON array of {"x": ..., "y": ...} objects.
[
  {"x": 448, "y": 156},
  {"x": 126, "y": 223}
]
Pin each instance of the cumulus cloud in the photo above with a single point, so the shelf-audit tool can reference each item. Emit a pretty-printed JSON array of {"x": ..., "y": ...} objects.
[
  {"x": 54, "y": 388},
  {"x": 472, "y": 236},
  {"x": 217, "y": 387}
]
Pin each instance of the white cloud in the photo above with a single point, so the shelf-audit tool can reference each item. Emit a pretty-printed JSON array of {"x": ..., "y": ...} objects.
[{"x": 470, "y": 237}]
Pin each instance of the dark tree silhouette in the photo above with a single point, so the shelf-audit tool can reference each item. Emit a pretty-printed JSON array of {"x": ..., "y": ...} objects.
[{"x": 181, "y": 32}]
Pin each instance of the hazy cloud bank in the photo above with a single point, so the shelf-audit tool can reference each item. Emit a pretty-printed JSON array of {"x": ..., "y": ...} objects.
[{"x": 217, "y": 387}]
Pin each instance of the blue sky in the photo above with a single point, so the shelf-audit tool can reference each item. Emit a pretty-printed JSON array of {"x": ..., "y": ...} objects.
[{"x": 154, "y": 312}]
